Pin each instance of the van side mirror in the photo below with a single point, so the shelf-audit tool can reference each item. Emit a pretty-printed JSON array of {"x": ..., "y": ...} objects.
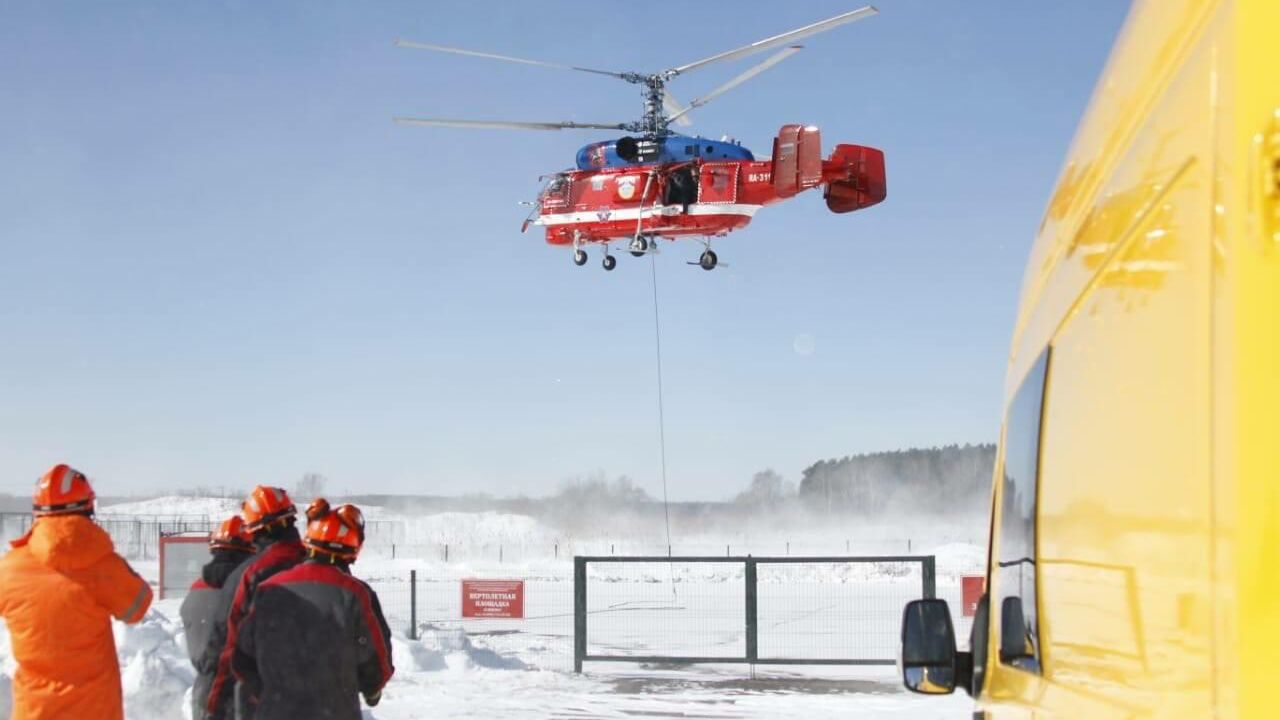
[{"x": 928, "y": 648}]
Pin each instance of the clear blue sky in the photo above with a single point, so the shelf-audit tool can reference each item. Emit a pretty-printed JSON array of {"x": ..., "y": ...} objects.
[{"x": 222, "y": 264}]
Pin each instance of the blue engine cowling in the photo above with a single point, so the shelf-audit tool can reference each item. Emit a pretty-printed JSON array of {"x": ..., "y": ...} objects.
[{"x": 629, "y": 151}]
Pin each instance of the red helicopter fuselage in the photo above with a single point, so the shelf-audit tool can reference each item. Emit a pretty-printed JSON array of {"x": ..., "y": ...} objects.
[{"x": 705, "y": 197}]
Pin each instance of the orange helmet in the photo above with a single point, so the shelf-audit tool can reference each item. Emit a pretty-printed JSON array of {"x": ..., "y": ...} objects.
[
  {"x": 336, "y": 532},
  {"x": 232, "y": 535},
  {"x": 266, "y": 506},
  {"x": 62, "y": 491}
]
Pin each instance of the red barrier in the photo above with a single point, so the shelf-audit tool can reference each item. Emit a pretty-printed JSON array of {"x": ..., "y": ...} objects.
[
  {"x": 971, "y": 588},
  {"x": 493, "y": 598}
]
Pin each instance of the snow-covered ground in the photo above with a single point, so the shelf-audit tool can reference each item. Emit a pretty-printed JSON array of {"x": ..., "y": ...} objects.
[{"x": 523, "y": 668}]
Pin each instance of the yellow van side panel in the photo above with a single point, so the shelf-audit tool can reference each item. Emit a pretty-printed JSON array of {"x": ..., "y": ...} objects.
[
  {"x": 1153, "y": 49},
  {"x": 1124, "y": 511},
  {"x": 1155, "y": 278},
  {"x": 1246, "y": 377}
]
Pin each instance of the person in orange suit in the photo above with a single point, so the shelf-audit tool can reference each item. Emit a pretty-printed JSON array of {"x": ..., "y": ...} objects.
[{"x": 60, "y": 586}]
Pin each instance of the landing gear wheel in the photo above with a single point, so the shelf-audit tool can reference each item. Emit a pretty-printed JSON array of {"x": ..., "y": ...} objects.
[
  {"x": 639, "y": 246},
  {"x": 708, "y": 260},
  {"x": 610, "y": 262},
  {"x": 579, "y": 257}
]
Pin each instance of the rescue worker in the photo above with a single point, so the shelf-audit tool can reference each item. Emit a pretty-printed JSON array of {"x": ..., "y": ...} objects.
[
  {"x": 60, "y": 586},
  {"x": 204, "y": 610},
  {"x": 316, "y": 639},
  {"x": 269, "y": 517}
]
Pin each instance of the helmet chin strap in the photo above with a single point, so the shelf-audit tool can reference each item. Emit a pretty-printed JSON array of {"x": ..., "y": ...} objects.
[{"x": 328, "y": 558}]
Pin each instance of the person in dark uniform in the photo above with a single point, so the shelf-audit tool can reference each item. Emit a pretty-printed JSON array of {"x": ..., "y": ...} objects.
[
  {"x": 316, "y": 640},
  {"x": 269, "y": 516},
  {"x": 204, "y": 610}
]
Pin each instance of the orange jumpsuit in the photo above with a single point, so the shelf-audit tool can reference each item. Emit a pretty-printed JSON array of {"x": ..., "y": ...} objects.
[{"x": 59, "y": 587}]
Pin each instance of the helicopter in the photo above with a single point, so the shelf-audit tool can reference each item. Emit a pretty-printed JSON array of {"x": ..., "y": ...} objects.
[{"x": 659, "y": 183}]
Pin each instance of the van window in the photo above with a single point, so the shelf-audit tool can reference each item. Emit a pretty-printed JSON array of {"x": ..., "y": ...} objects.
[{"x": 1016, "y": 572}]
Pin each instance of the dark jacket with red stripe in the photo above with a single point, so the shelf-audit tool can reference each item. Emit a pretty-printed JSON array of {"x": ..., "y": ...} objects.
[
  {"x": 279, "y": 554},
  {"x": 204, "y": 618},
  {"x": 314, "y": 641}
]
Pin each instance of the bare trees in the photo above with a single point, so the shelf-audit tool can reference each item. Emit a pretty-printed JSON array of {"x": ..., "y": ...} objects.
[{"x": 310, "y": 485}]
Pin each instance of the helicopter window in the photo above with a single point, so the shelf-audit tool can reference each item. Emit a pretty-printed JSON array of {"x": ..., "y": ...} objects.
[
  {"x": 681, "y": 189},
  {"x": 688, "y": 149},
  {"x": 710, "y": 149},
  {"x": 557, "y": 190}
]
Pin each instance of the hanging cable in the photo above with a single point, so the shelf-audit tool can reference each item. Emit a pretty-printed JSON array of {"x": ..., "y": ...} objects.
[{"x": 662, "y": 419}]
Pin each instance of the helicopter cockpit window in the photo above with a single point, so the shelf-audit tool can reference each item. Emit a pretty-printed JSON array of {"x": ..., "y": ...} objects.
[{"x": 556, "y": 191}]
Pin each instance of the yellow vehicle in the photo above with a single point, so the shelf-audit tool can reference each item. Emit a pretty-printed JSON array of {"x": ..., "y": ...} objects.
[{"x": 1134, "y": 565}]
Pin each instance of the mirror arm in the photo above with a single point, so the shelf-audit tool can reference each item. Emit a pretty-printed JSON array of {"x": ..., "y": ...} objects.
[{"x": 964, "y": 671}]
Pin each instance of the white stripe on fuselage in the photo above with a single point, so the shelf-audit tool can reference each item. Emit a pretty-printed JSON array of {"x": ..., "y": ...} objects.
[{"x": 622, "y": 214}]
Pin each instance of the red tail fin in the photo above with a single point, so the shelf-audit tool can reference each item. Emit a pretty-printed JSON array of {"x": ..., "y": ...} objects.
[{"x": 864, "y": 183}]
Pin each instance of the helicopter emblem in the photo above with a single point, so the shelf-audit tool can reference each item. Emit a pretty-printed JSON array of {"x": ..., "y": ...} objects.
[{"x": 626, "y": 186}]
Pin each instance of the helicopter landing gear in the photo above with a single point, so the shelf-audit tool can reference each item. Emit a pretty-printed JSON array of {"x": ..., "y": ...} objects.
[
  {"x": 610, "y": 262},
  {"x": 639, "y": 246},
  {"x": 579, "y": 255},
  {"x": 708, "y": 260}
]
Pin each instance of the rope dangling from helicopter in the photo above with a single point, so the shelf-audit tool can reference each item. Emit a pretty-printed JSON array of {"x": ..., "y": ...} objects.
[{"x": 662, "y": 419}]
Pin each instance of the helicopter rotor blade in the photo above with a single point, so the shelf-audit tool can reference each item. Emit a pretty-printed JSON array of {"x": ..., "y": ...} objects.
[
  {"x": 508, "y": 125},
  {"x": 504, "y": 58},
  {"x": 783, "y": 39},
  {"x": 675, "y": 109},
  {"x": 742, "y": 77}
]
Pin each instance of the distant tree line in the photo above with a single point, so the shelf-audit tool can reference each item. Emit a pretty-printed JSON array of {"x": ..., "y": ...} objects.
[{"x": 948, "y": 479}]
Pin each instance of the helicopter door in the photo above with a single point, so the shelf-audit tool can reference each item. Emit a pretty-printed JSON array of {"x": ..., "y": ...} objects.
[
  {"x": 681, "y": 187},
  {"x": 718, "y": 183}
]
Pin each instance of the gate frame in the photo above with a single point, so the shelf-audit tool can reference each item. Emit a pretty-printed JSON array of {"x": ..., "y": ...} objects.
[{"x": 929, "y": 590}]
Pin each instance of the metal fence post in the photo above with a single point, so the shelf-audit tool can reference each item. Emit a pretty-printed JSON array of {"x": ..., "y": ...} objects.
[
  {"x": 579, "y": 612},
  {"x": 752, "y": 624},
  {"x": 413, "y": 604},
  {"x": 929, "y": 570}
]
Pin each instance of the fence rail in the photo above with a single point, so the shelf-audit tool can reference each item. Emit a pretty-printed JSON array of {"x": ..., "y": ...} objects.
[{"x": 862, "y": 608}]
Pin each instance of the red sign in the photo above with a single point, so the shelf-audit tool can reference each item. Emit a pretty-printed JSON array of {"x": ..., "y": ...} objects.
[
  {"x": 971, "y": 587},
  {"x": 493, "y": 598}
]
